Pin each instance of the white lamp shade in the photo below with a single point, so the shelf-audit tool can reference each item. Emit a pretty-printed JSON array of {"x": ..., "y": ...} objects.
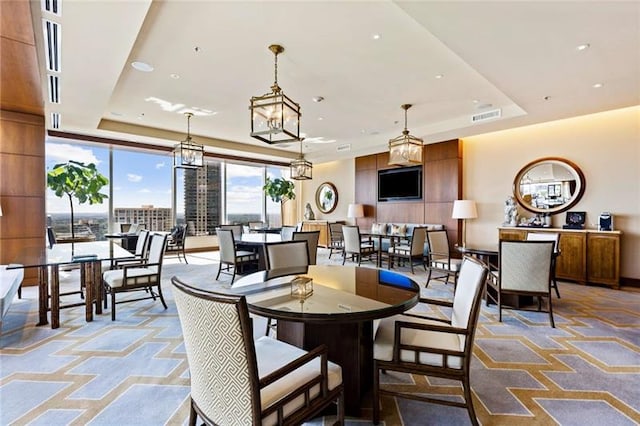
[
  {"x": 464, "y": 209},
  {"x": 355, "y": 210}
]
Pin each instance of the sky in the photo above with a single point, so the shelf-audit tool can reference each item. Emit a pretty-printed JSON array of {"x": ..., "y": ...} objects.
[{"x": 143, "y": 178}]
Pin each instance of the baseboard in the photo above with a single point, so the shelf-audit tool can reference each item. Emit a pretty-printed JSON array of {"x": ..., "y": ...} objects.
[{"x": 630, "y": 282}]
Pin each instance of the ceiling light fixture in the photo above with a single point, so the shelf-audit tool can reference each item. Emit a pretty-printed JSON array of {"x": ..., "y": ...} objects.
[
  {"x": 583, "y": 47},
  {"x": 142, "y": 66},
  {"x": 301, "y": 169},
  {"x": 188, "y": 154},
  {"x": 598, "y": 85},
  {"x": 405, "y": 150},
  {"x": 275, "y": 118}
]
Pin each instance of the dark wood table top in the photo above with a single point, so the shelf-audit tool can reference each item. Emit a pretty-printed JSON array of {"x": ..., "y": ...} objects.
[{"x": 340, "y": 294}]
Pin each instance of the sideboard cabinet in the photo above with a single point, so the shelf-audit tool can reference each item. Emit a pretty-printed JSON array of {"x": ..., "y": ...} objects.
[
  {"x": 319, "y": 225},
  {"x": 586, "y": 255}
]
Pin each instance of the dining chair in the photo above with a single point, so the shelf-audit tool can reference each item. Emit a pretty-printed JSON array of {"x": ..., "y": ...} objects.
[
  {"x": 237, "y": 229},
  {"x": 138, "y": 276},
  {"x": 439, "y": 259},
  {"x": 176, "y": 241},
  {"x": 413, "y": 251},
  {"x": 311, "y": 237},
  {"x": 289, "y": 257},
  {"x": 434, "y": 347},
  {"x": 549, "y": 236},
  {"x": 256, "y": 225},
  {"x": 336, "y": 239},
  {"x": 354, "y": 246},
  {"x": 238, "y": 381},
  {"x": 230, "y": 257},
  {"x": 140, "y": 254},
  {"x": 286, "y": 254},
  {"x": 524, "y": 269},
  {"x": 286, "y": 232}
]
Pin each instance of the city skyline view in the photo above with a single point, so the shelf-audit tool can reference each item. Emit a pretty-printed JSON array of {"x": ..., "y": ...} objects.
[{"x": 142, "y": 178}]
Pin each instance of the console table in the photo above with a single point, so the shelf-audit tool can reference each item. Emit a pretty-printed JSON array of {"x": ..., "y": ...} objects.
[
  {"x": 587, "y": 255},
  {"x": 320, "y": 225}
]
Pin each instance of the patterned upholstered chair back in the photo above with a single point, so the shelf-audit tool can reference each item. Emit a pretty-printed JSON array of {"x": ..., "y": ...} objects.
[
  {"x": 525, "y": 265},
  {"x": 222, "y": 362},
  {"x": 287, "y": 254}
]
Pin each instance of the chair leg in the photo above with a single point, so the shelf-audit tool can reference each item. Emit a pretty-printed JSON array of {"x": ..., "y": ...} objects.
[
  {"x": 113, "y": 305},
  {"x": 555, "y": 286},
  {"x": 344, "y": 257},
  {"x": 411, "y": 264},
  {"x": 20, "y": 291},
  {"x": 161, "y": 297},
  {"x": 340, "y": 413},
  {"x": 193, "y": 416},
  {"x": 184, "y": 254},
  {"x": 469, "y": 401},
  {"x": 553, "y": 324},
  {"x": 219, "y": 270},
  {"x": 376, "y": 393}
]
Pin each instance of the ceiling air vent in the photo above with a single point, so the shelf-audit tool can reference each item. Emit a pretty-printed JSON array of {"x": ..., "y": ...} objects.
[
  {"x": 55, "y": 120},
  {"x": 343, "y": 147},
  {"x": 54, "y": 88},
  {"x": 52, "y": 6},
  {"x": 52, "y": 40},
  {"x": 487, "y": 115}
]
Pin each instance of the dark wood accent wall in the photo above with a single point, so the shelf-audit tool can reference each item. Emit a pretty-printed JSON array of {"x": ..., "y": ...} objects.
[
  {"x": 22, "y": 135},
  {"x": 442, "y": 185}
]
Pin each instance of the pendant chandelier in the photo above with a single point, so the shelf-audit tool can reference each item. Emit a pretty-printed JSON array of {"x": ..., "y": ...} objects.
[
  {"x": 188, "y": 154},
  {"x": 275, "y": 118},
  {"x": 405, "y": 150},
  {"x": 301, "y": 169}
]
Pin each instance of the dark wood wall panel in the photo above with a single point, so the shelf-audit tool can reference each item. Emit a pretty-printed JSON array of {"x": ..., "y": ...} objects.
[
  {"x": 400, "y": 212},
  {"x": 442, "y": 174},
  {"x": 22, "y": 134}
]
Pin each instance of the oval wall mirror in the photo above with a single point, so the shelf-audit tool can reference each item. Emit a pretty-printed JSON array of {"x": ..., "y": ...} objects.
[
  {"x": 326, "y": 197},
  {"x": 549, "y": 185}
]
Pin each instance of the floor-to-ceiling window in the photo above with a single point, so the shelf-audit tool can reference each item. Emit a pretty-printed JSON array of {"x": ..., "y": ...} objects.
[
  {"x": 88, "y": 219},
  {"x": 143, "y": 185},
  {"x": 244, "y": 195}
]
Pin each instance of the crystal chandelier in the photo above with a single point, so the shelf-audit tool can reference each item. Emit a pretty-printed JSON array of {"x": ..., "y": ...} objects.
[
  {"x": 188, "y": 154},
  {"x": 275, "y": 118},
  {"x": 301, "y": 169},
  {"x": 405, "y": 150}
]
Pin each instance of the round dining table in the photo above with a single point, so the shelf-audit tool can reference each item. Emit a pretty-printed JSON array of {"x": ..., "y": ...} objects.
[{"x": 331, "y": 305}]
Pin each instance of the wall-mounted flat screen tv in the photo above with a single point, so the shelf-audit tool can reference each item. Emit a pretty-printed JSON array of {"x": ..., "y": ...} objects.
[{"x": 400, "y": 184}]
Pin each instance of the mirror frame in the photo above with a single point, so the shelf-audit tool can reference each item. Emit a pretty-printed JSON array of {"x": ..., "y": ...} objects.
[
  {"x": 326, "y": 186},
  {"x": 573, "y": 168}
]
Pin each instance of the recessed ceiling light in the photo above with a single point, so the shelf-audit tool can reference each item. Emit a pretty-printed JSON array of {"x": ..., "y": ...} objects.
[
  {"x": 598, "y": 85},
  {"x": 117, "y": 114},
  {"x": 142, "y": 66},
  {"x": 141, "y": 116},
  {"x": 439, "y": 76},
  {"x": 475, "y": 101},
  {"x": 320, "y": 118},
  {"x": 376, "y": 36},
  {"x": 174, "y": 76},
  {"x": 583, "y": 47},
  {"x": 318, "y": 99}
]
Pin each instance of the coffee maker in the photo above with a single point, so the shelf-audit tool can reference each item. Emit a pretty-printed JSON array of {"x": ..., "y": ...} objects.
[{"x": 605, "y": 222}]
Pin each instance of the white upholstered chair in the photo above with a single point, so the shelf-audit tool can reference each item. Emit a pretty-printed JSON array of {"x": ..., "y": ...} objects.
[
  {"x": 354, "y": 246},
  {"x": 439, "y": 258},
  {"x": 145, "y": 275},
  {"x": 140, "y": 254},
  {"x": 286, "y": 232},
  {"x": 413, "y": 251},
  {"x": 230, "y": 257},
  {"x": 433, "y": 346},
  {"x": 524, "y": 269},
  {"x": 236, "y": 381}
]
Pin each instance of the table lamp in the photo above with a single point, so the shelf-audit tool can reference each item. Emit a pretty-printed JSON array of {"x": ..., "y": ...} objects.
[
  {"x": 355, "y": 211},
  {"x": 464, "y": 209}
]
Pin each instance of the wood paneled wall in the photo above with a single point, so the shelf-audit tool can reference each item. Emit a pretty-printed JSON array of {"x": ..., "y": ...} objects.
[
  {"x": 22, "y": 135},
  {"x": 442, "y": 185}
]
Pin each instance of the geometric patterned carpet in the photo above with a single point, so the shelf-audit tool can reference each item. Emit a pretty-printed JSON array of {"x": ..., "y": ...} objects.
[{"x": 134, "y": 371}]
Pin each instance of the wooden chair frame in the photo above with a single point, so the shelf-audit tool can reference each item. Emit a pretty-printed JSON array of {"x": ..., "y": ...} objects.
[{"x": 312, "y": 407}]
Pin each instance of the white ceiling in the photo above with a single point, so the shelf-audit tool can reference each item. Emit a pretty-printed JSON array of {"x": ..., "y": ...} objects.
[{"x": 520, "y": 57}]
